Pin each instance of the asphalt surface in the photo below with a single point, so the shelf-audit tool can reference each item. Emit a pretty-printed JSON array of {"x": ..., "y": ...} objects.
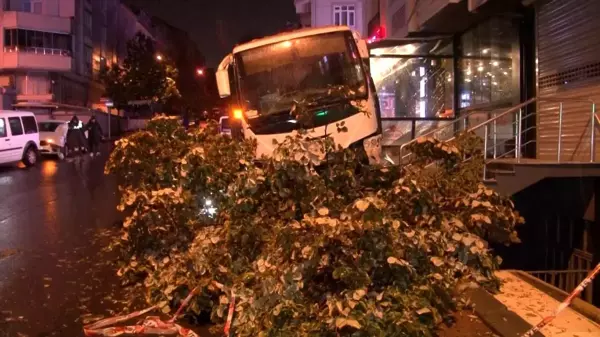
[{"x": 55, "y": 219}]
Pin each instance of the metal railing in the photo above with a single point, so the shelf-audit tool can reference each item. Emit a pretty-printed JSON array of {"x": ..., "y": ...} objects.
[
  {"x": 37, "y": 50},
  {"x": 594, "y": 121},
  {"x": 579, "y": 267},
  {"x": 456, "y": 124},
  {"x": 565, "y": 280},
  {"x": 494, "y": 140}
]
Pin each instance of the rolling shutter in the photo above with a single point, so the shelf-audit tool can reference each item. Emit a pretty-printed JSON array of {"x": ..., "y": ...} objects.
[{"x": 568, "y": 41}]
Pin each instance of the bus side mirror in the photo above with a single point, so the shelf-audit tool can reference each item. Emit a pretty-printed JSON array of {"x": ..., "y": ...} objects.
[
  {"x": 223, "y": 83},
  {"x": 222, "y": 76},
  {"x": 363, "y": 49}
]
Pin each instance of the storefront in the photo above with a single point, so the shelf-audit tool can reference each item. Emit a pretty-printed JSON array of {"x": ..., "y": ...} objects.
[{"x": 425, "y": 83}]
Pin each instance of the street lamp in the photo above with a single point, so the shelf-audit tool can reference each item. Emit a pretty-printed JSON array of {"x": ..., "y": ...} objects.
[
  {"x": 159, "y": 57},
  {"x": 200, "y": 72}
]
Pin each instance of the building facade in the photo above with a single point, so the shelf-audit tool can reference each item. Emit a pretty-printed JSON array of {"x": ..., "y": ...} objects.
[
  {"x": 532, "y": 67},
  {"x": 53, "y": 51},
  {"x": 352, "y": 13},
  {"x": 443, "y": 58}
]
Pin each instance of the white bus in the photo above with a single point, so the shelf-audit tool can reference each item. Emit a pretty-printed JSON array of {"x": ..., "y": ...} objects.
[{"x": 265, "y": 77}]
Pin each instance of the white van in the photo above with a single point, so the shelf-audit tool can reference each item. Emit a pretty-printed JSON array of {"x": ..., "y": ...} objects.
[{"x": 19, "y": 137}]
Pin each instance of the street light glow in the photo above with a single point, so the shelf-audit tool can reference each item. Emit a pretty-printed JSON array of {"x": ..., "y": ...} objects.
[
  {"x": 199, "y": 71},
  {"x": 238, "y": 114},
  {"x": 159, "y": 57}
]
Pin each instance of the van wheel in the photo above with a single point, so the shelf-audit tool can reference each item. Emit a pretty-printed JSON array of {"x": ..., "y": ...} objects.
[{"x": 30, "y": 157}]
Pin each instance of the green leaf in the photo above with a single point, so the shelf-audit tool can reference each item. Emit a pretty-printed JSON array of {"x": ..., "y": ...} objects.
[
  {"x": 343, "y": 322},
  {"x": 304, "y": 247},
  {"x": 437, "y": 261},
  {"x": 359, "y": 294},
  {"x": 361, "y": 205}
]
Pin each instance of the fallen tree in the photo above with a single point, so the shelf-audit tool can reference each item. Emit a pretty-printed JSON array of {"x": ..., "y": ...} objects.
[{"x": 306, "y": 248}]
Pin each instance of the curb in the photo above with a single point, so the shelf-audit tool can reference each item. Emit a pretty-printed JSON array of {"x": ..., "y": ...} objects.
[
  {"x": 496, "y": 315},
  {"x": 582, "y": 307}
]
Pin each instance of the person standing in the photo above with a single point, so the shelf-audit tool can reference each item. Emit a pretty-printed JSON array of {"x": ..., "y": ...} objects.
[
  {"x": 186, "y": 119},
  {"x": 75, "y": 138},
  {"x": 94, "y": 136}
]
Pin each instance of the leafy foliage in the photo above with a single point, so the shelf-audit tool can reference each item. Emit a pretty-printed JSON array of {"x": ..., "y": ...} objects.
[
  {"x": 141, "y": 77},
  {"x": 340, "y": 249}
]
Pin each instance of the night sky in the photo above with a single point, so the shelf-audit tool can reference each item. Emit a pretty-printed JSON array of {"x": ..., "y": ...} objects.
[{"x": 216, "y": 25}]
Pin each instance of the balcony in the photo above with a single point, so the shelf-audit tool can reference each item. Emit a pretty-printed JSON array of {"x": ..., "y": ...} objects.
[
  {"x": 35, "y": 98},
  {"x": 31, "y": 21},
  {"x": 36, "y": 59}
]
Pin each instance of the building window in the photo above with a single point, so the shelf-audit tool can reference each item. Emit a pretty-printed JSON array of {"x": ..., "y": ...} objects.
[
  {"x": 489, "y": 64},
  {"x": 88, "y": 54},
  {"x": 87, "y": 23},
  {"x": 33, "y": 6},
  {"x": 99, "y": 65},
  {"x": 414, "y": 81},
  {"x": 344, "y": 15},
  {"x": 68, "y": 91},
  {"x": 104, "y": 12},
  {"x": 3, "y": 132},
  {"x": 29, "y": 125},
  {"x": 32, "y": 84},
  {"x": 16, "y": 129},
  {"x": 31, "y": 41}
]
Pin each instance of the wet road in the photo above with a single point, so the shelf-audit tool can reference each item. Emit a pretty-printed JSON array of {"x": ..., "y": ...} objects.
[{"x": 52, "y": 270}]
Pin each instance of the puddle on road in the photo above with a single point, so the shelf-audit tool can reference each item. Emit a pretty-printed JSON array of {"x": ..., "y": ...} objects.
[{"x": 5, "y": 253}]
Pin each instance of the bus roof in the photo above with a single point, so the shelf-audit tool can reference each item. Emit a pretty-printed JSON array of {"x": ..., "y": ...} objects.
[{"x": 288, "y": 36}]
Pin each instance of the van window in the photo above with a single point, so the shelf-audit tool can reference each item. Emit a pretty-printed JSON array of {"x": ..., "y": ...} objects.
[
  {"x": 16, "y": 129},
  {"x": 29, "y": 125},
  {"x": 2, "y": 128}
]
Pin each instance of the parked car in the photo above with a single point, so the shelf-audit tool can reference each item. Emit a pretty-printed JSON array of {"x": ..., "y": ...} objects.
[
  {"x": 19, "y": 137},
  {"x": 53, "y": 138}
]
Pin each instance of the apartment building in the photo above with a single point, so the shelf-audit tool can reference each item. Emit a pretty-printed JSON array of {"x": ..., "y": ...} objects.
[
  {"x": 53, "y": 50},
  {"x": 353, "y": 13}
]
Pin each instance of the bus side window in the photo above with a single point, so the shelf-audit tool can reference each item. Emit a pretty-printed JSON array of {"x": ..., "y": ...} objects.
[{"x": 232, "y": 81}]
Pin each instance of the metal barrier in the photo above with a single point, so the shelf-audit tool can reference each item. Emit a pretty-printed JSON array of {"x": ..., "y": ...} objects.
[
  {"x": 457, "y": 122},
  {"x": 580, "y": 265},
  {"x": 490, "y": 130}
]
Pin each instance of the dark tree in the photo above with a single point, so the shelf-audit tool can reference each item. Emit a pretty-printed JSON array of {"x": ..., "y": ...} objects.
[{"x": 142, "y": 76}]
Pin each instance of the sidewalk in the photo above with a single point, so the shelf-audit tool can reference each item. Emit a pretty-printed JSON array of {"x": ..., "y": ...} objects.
[{"x": 524, "y": 301}]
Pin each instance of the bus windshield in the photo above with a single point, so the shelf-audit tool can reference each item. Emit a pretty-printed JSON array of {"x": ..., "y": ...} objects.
[{"x": 273, "y": 77}]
